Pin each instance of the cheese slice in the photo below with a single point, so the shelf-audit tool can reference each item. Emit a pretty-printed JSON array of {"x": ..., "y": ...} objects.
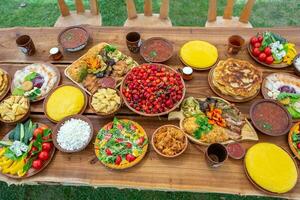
[
  {"x": 270, "y": 167},
  {"x": 199, "y": 54}
]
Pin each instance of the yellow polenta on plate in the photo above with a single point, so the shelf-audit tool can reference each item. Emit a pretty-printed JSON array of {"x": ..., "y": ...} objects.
[
  {"x": 270, "y": 167},
  {"x": 199, "y": 54}
]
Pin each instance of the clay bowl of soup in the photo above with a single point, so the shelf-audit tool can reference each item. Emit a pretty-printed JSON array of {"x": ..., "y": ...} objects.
[
  {"x": 73, "y": 38},
  {"x": 156, "y": 50}
]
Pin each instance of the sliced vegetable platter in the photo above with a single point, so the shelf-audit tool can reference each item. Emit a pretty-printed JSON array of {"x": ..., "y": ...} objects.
[
  {"x": 271, "y": 50},
  {"x": 26, "y": 150}
]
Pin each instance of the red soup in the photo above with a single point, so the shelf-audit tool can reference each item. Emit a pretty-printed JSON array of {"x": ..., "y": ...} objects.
[
  {"x": 73, "y": 37},
  {"x": 157, "y": 50}
]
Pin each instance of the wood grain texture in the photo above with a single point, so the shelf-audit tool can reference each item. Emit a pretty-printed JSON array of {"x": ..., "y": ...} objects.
[
  {"x": 75, "y": 19},
  {"x": 148, "y": 7},
  {"x": 188, "y": 172},
  {"x": 79, "y": 6}
]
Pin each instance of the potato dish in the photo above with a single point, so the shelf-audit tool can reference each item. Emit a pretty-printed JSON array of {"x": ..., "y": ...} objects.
[
  {"x": 106, "y": 100},
  {"x": 169, "y": 140},
  {"x": 13, "y": 108},
  {"x": 3, "y": 82}
]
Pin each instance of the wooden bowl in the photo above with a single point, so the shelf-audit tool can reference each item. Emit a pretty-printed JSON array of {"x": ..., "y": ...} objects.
[
  {"x": 54, "y": 86},
  {"x": 290, "y": 141},
  {"x": 52, "y": 91},
  {"x": 22, "y": 118},
  {"x": 261, "y": 188},
  {"x": 257, "y": 102},
  {"x": 102, "y": 113},
  {"x": 224, "y": 96},
  {"x": 151, "y": 40},
  {"x": 8, "y": 85},
  {"x": 159, "y": 152},
  {"x": 61, "y": 123},
  {"x": 156, "y": 114},
  {"x": 276, "y": 66},
  {"x": 31, "y": 171},
  {"x": 75, "y": 48}
]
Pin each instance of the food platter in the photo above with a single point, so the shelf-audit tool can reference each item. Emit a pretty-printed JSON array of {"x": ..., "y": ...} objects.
[
  {"x": 61, "y": 123},
  {"x": 110, "y": 156},
  {"x": 242, "y": 130},
  {"x": 178, "y": 87},
  {"x": 5, "y": 90},
  {"x": 154, "y": 47},
  {"x": 192, "y": 50},
  {"x": 284, "y": 88},
  {"x": 271, "y": 50},
  {"x": 293, "y": 140},
  {"x": 31, "y": 172},
  {"x": 59, "y": 103},
  {"x": 229, "y": 97},
  {"x": 35, "y": 74},
  {"x": 258, "y": 186},
  {"x": 264, "y": 113},
  {"x": 90, "y": 70}
]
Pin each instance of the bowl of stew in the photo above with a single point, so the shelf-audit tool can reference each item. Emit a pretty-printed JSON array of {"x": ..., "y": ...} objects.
[
  {"x": 270, "y": 118},
  {"x": 156, "y": 50},
  {"x": 73, "y": 38}
]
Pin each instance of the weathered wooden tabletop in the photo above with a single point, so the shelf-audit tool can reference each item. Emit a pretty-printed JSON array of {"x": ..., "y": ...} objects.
[{"x": 188, "y": 172}]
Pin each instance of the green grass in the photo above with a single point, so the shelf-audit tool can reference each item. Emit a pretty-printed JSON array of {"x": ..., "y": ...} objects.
[{"x": 266, "y": 13}]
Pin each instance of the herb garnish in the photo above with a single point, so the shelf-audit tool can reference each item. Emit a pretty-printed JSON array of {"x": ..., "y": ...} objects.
[
  {"x": 204, "y": 126},
  {"x": 153, "y": 54}
]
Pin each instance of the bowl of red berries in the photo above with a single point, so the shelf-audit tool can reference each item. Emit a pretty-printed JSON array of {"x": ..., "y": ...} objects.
[{"x": 152, "y": 89}]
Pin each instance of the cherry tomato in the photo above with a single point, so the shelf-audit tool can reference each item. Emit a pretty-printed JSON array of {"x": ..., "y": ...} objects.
[
  {"x": 129, "y": 145},
  {"x": 260, "y": 38},
  {"x": 108, "y": 152},
  {"x": 140, "y": 141},
  {"x": 46, "y": 146},
  {"x": 262, "y": 57},
  {"x": 43, "y": 155},
  {"x": 267, "y": 51},
  {"x": 253, "y": 40},
  {"x": 298, "y": 145},
  {"x": 38, "y": 131},
  {"x": 257, "y": 44},
  {"x": 269, "y": 60},
  {"x": 119, "y": 140},
  {"x": 37, "y": 164},
  {"x": 130, "y": 157},
  {"x": 118, "y": 160},
  {"x": 256, "y": 52}
]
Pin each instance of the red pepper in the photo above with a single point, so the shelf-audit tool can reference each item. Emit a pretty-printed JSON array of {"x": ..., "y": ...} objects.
[
  {"x": 118, "y": 160},
  {"x": 140, "y": 141},
  {"x": 108, "y": 152},
  {"x": 129, "y": 145},
  {"x": 130, "y": 157},
  {"x": 119, "y": 140}
]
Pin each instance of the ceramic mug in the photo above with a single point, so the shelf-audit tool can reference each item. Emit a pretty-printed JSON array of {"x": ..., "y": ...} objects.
[
  {"x": 25, "y": 44},
  {"x": 133, "y": 41},
  {"x": 235, "y": 44},
  {"x": 216, "y": 154}
]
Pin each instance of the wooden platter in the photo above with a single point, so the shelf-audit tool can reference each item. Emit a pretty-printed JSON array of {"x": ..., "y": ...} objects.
[
  {"x": 8, "y": 85},
  {"x": 261, "y": 188},
  {"x": 31, "y": 172},
  {"x": 52, "y": 91},
  {"x": 81, "y": 58},
  {"x": 248, "y": 131},
  {"x": 54, "y": 86},
  {"x": 57, "y": 127},
  {"x": 131, "y": 164},
  {"x": 156, "y": 114},
  {"x": 276, "y": 66},
  {"x": 290, "y": 141},
  {"x": 224, "y": 96}
]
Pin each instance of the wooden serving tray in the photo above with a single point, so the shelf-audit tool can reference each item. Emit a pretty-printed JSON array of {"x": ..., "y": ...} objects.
[
  {"x": 31, "y": 171},
  {"x": 248, "y": 132},
  {"x": 276, "y": 66},
  {"x": 79, "y": 59},
  {"x": 224, "y": 96}
]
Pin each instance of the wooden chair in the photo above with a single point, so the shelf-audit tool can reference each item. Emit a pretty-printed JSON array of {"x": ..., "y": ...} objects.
[
  {"x": 80, "y": 16},
  {"x": 148, "y": 19},
  {"x": 227, "y": 20}
]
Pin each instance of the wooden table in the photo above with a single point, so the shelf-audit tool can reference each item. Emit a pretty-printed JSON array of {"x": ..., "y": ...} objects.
[{"x": 188, "y": 172}]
